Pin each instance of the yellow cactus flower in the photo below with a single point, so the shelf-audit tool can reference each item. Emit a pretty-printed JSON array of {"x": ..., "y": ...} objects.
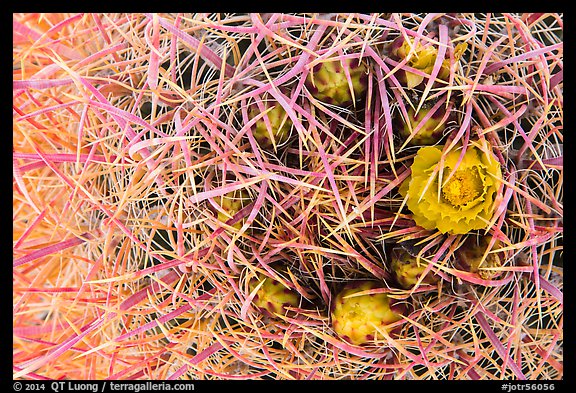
[
  {"x": 423, "y": 59},
  {"x": 460, "y": 203}
]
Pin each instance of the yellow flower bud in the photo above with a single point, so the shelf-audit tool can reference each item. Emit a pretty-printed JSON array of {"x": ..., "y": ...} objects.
[
  {"x": 471, "y": 257},
  {"x": 408, "y": 269},
  {"x": 429, "y": 133},
  {"x": 459, "y": 50},
  {"x": 273, "y": 297},
  {"x": 422, "y": 58},
  {"x": 327, "y": 81},
  {"x": 357, "y": 319}
]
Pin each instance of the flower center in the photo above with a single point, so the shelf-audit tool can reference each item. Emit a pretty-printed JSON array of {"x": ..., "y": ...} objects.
[{"x": 463, "y": 187}]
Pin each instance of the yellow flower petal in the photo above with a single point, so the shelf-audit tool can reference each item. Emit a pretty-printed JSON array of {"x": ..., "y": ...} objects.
[
  {"x": 423, "y": 58},
  {"x": 461, "y": 203},
  {"x": 426, "y": 159},
  {"x": 459, "y": 50},
  {"x": 413, "y": 80}
]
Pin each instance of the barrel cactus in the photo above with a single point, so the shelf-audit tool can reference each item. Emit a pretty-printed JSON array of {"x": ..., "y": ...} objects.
[{"x": 203, "y": 196}]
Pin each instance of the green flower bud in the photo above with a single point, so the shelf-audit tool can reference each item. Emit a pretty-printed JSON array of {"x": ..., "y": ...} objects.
[
  {"x": 280, "y": 125},
  {"x": 429, "y": 133},
  {"x": 328, "y": 83}
]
